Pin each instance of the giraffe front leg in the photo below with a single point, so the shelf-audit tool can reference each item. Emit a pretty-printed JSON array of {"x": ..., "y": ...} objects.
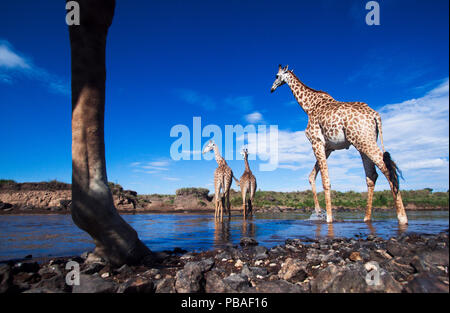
[
  {"x": 312, "y": 182},
  {"x": 228, "y": 203},
  {"x": 319, "y": 151}
]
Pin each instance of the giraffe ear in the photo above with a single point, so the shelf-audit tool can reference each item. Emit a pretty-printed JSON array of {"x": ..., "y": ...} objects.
[{"x": 286, "y": 68}]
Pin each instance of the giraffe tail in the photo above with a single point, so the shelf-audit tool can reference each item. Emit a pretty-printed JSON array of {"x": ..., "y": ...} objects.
[
  {"x": 394, "y": 171},
  {"x": 379, "y": 131}
]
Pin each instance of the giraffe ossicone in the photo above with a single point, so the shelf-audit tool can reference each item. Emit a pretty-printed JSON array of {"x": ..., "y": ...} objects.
[{"x": 335, "y": 125}]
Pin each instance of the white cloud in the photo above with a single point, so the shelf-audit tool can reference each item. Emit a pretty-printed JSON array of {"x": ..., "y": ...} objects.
[
  {"x": 243, "y": 103},
  {"x": 193, "y": 97},
  {"x": 152, "y": 167},
  {"x": 14, "y": 66},
  {"x": 254, "y": 117},
  {"x": 171, "y": 178},
  {"x": 10, "y": 59}
]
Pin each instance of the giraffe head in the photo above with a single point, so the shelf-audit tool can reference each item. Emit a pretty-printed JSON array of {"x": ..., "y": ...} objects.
[
  {"x": 281, "y": 78},
  {"x": 244, "y": 152},
  {"x": 209, "y": 147}
]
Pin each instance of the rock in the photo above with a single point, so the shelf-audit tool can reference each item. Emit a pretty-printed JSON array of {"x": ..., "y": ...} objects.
[
  {"x": 5, "y": 278},
  {"x": 92, "y": 268},
  {"x": 49, "y": 271},
  {"x": 205, "y": 265},
  {"x": 324, "y": 279},
  {"x": 215, "y": 283},
  {"x": 93, "y": 258},
  {"x": 56, "y": 283},
  {"x": 84, "y": 255},
  {"x": 260, "y": 253},
  {"x": 426, "y": 283},
  {"x": 223, "y": 255},
  {"x": 26, "y": 266},
  {"x": 394, "y": 248},
  {"x": 400, "y": 271},
  {"x": 378, "y": 279},
  {"x": 5, "y": 206},
  {"x": 293, "y": 270},
  {"x": 238, "y": 263},
  {"x": 136, "y": 285},
  {"x": 277, "y": 250},
  {"x": 190, "y": 278},
  {"x": 42, "y": 290},
  {"x": 259, "y": 271},
  {"x": 355, "y": 256},
  {"x": 350, "y": 280},
  {"x": 247, "y": 241},
  {"x": 166, "y": 285},
  {"x": 236, "y": 282},
  {"x": 277, "y": 286},
  {"x": 94, "y": 284}
]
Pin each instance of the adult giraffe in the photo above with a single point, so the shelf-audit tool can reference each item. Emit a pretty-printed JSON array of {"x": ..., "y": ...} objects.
[
  {"x": 335, "y": 125},
  {"x": 92, "y": 203}
]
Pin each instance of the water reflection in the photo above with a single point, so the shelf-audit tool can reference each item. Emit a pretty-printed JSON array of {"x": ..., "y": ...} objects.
[
  {"x": 402, "y": 228},
  {"x": 329, "y": 228},
  {"x": 222, "y": 234},
  {"x": 248, "y": 227},
  {"x": 371, "y": 228},
  {"x": 44, "y": 235}
]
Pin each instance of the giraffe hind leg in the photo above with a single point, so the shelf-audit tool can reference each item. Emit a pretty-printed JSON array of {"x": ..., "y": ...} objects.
[
  {"x": 374, "y": 153},
  {"x": 244, "y": 203},
  {"x": 371, "y": 178}
]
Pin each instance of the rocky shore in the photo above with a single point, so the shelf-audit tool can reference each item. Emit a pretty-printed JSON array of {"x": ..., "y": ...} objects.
[{"x": 410, "y": 263}]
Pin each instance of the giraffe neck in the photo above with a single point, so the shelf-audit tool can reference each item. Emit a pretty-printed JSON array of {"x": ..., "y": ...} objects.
[
  {"x": 308, "y": 98},
  {"x": 247, "y": 167},
  {"x": 219, "y": 158}
]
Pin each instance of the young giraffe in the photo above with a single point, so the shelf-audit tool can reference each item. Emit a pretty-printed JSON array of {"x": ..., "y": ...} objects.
[
  {"x": 335, "y": 125},
  {"x": 222, "y": 181},
  {"x": 247, "y": 184}
]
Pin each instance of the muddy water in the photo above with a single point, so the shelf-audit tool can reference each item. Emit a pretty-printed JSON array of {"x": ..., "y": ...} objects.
[{"x": 55, "y": 235}]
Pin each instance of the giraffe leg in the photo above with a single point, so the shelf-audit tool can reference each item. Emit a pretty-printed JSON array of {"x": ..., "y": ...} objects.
[
  {"x": 371, "y": 178},
  {"x": 374, "y": 153},
  {"x": 218, "y": 200},
  {"x": 319, "y": 151},
  {"x": 252, "y": 195},
  {"x": 312, "y": 181},
  {"x": 244, "y": 203},
  {"x": 227, "y": 197}
]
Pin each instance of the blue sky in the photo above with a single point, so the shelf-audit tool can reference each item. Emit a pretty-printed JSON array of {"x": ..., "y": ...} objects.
[{"x": 170, "y": 61}]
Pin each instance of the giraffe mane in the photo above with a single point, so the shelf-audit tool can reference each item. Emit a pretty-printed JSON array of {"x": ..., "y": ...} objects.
[{"x": 307, "y": 87}]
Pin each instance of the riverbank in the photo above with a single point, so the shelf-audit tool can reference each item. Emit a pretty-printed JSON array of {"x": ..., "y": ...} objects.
[
  {"x": 407, "y": 263},
  {"x": 55, "y": 198}
]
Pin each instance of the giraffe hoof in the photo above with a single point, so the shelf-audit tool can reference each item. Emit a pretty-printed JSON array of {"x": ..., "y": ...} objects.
[
  {"x": 329, "y": 219},
  {"x": 367, "y": 219}
]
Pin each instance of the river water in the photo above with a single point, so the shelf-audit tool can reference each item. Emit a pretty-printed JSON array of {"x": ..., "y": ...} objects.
[{"x": 45, "y": 236}]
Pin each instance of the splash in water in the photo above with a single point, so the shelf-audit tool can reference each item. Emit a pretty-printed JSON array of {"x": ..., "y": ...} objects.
[{"x": 321, "y": 216}]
